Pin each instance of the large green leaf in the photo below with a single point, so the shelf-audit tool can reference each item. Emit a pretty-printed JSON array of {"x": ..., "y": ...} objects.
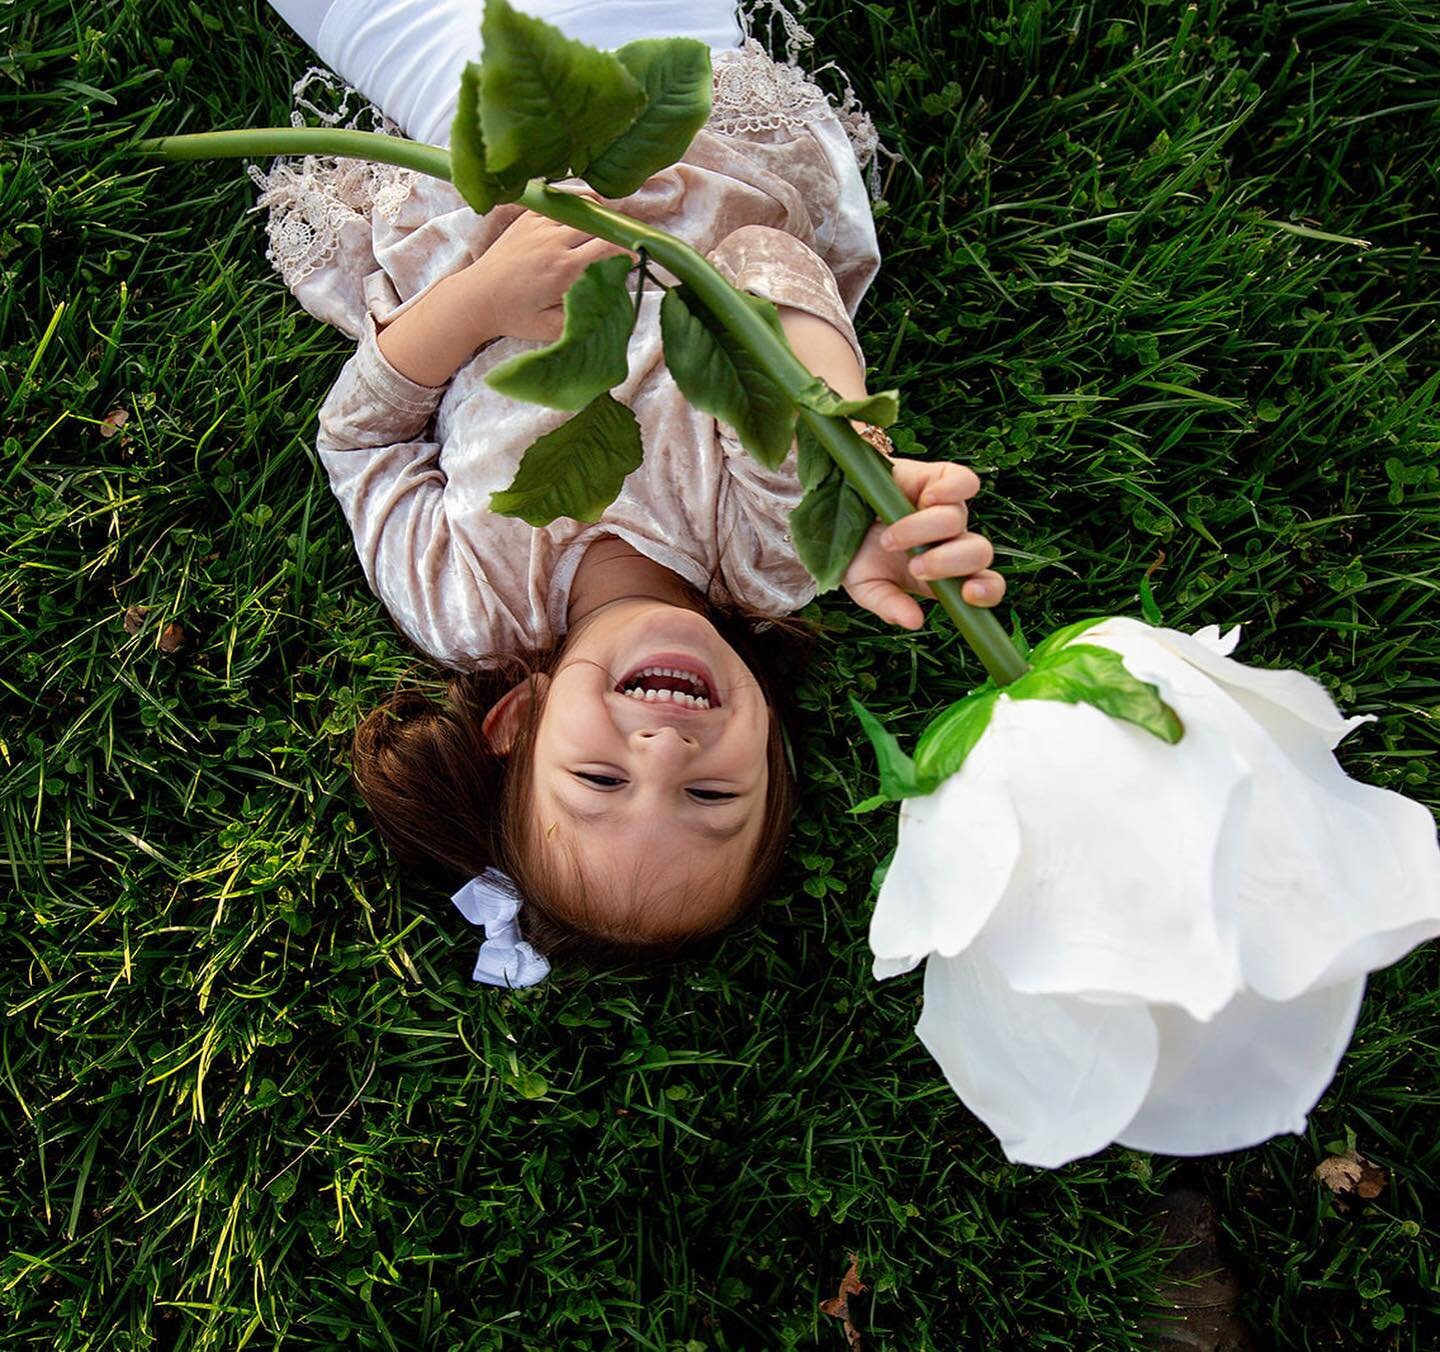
[
  {"x": 469, "y": 169},
  {"x": 577, "y": 469},
  {"x": 952, "y": 735},
  {"x": 1065, "y": 634},
  {"x": 896, "y": 769},
  {"x": 1085, "y": 673},
  {"x": 881, "y": 409},
  {"x": 812, "y": 460},
  {"x": 827, "y": 528},
  {"x": 591, "y": 354},
  {"x": 675, "y": 75},
  {"x": 548, "y": 104},
  {"x": 717, "y": 375}
]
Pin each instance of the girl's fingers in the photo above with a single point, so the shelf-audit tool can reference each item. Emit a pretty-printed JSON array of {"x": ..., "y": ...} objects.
[
  {"x": 558, "y": 233},
  {"x": 955, "y": 558},
  {"x": 903, "y": 610},
  {"x": 927, "y": 483},
  {"x": 559, "y": 241},
  {"x": 985, "y": 588},
  {"x": 925, "y": 527},
  {"x": 602, "y": 248},
  {"x": 888, "y": 601},
  {"x": 575, "y": 261}
]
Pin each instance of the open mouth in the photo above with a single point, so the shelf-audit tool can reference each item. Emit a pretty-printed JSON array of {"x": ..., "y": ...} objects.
[{"x": 657, "y": 683}]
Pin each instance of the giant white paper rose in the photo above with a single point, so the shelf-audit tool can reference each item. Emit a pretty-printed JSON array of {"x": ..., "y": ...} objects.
[{"x": 1163, "y": 945}]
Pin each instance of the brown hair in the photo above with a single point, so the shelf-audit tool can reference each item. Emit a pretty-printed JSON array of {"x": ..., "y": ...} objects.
[{"x": 448, "y": 805}]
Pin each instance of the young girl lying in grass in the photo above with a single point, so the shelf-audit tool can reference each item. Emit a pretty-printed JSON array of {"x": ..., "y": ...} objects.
[{"x": 610, "y": 741}]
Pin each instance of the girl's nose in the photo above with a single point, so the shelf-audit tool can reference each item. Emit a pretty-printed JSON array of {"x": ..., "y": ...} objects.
[{"x": 665, "y": 739}]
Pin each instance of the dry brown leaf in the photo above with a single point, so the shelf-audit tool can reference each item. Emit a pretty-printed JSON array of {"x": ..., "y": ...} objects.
[
  {"x": 172, "y": 639},
  {"x": 838, "y": 1306},
  {"x": 113, "y": 421},
  {"x": 1351, "y": 1176},
  {"x": 134, "y": 620}
]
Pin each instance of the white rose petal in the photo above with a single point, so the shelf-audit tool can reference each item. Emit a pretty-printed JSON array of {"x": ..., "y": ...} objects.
[
  {"x": 935, "y": 898},
  {"x": 1339, "y": 878},
  {"x": 1118, "y": 865},
  {"x": 1336, "y": 878},
  {"x": 1252, "y": 1072},
  {"x": 887, "y": 967},
  {"x": 1222, "y": 645},
  {"x": 1288, "y": 695},
  {"x": 1054, "y": 1078}
]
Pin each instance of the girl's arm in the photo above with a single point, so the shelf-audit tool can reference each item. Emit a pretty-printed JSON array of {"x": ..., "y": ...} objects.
[
  {"x": 447, "y": 326},
  {"x": 825, "y": 351},
  {"x": 451, "y": 595},
  {"x": 515, "y": 289}
]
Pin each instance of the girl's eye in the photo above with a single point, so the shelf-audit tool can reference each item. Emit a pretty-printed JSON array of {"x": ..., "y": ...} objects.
[
  {"x": 709, "y": 795},
  {"x": 604, "y": 781}
]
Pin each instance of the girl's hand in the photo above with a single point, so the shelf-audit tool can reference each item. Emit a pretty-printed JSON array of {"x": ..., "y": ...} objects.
[
  {"x": 516, "y": 289},
  {"x": 519, "y": 282},
  {"x": 881, "y": 573}
]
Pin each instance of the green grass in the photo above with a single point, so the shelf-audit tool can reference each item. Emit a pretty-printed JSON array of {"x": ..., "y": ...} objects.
[{"x": 251, "y": 1096}]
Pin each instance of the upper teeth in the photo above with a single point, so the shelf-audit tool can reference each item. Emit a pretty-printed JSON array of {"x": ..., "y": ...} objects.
[{"x": 698, "y": 699}]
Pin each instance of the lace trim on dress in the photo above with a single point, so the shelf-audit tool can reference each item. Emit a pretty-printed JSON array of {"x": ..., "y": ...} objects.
[
  {"x": 312, "y": 199},
  {"x": 762, "y": 95}
]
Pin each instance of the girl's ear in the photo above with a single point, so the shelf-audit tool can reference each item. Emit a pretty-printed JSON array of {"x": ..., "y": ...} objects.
[{"x": 502, "y": 723}]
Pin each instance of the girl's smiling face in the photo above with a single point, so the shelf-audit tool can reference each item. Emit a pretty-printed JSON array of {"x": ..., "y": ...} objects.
[{"x": 649, "y": 774}]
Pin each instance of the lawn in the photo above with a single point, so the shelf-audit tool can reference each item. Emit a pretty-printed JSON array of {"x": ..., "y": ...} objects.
[{"x": 1165, "y": 275}]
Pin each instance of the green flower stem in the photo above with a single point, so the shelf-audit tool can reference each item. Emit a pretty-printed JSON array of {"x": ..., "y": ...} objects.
[
  {"x": 261, "y": 142},
  {"x": 861, "y": 464}
]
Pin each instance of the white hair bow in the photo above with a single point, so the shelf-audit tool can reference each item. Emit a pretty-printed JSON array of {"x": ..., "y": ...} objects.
[{"x": 505, "y": 959}]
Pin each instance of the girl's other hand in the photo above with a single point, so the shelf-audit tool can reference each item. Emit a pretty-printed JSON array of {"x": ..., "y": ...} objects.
[
  {"x": 881, "y": 576},
  {"x": 520, "y": 281},
  {"x": 516, "y": 289}
]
